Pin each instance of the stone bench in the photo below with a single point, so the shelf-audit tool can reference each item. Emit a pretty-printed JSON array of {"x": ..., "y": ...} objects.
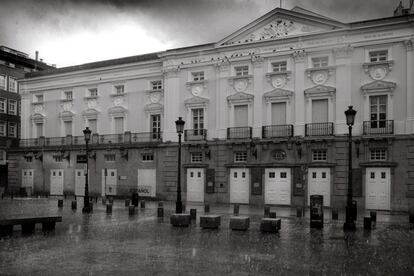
[
  {"x": 271, "y": 225},
  {"x": 210, "y": 221},
  {"x": 180, "y": 220},
  {"x": 239, "y": 223},
  {"x": 28, "y": 224}
]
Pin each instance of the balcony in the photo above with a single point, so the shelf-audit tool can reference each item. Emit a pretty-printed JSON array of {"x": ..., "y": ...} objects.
[
  {"x": 379, "y": 127},
  {"x": 146, "y": 137},
  {"x": 276, "y": 131},
  {"x": 319, "y": 129},
  {"x": 55, "y": 141},
  {"x": 195, "y": 134},
  {"x": 25, "y": 143},
  {"x": 239, "y": 133},
  {"x": 111, "y": 139}
]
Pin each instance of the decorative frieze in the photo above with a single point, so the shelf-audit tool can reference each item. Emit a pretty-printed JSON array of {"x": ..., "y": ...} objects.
[
  {"x": 299, "y": 55},
  {"x": 378, "y": 86},
  {"x": 378, "y": 70},
  {"x": 171, "y": 71},
  {"x": 196, "y": 101},
  {"x": 320, "y": 91},
  {"x": 343, "y": 52}
]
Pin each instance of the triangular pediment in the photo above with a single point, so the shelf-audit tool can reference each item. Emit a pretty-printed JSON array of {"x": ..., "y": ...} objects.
[
  {"x": 379, "y": 85},
  {"x": 320, "y": 89},
  {"x": 117, "y": 110},
  {"x": 154, "y": 107},
  {"x": 281, "y": 23},
  {"x": 196, "y": 101},
  {"x": 240, "y": 97},
  {"x": 278, "y": 93},
  {"x": 66, "y": 114},
  {"x": 90, "y": 111}
]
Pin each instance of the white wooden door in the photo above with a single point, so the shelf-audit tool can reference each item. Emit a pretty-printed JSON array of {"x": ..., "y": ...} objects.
[
  {"x": 56, "y": 182},
  {"x": 319, "y": 183},
  {"x": 239, "y": 185},
  {"x": 79, "y": 182},
  {"x": 109, "y": 182},
  {"x": 195, "y": 185},
  {"x": 378, "y": 188},
  {"x": 279, "y": 113},
  {"x": 319, "y": 111},
  {"x": 241, "y": 118},
  {"x": 27, "y": 180},
  {"x": 147, "y": 182},
  {"x": 277, "y": 186}
]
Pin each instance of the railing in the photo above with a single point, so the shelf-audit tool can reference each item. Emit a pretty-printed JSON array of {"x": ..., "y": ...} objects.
[
  {"x": 55, "y": 141},
  {"x": 195, "y": 134},
  {"x": 145, "y": 137},
  {"x": 111, "y": 139},
  {"x": 78, "y": 140},
  {"x": 378, "y": 127},
  {"x": 319, "y": 129},
  {"x": 33, "y": 142},
  {"x": 239, "y": 133},
  {"x": 277, "y": 131}
]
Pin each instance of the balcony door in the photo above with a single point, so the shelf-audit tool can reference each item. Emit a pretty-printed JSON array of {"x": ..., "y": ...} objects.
[
  {"x": 378, "y": 111},
  {"x": 241, "y": 118},
  {"x": 155, "y": 126},
  {"x": 119, "y": 125},
  {"x": 279, "y": 113},
  {"x": 198, "y": 121},
  {"x": 320, "y": 111}
]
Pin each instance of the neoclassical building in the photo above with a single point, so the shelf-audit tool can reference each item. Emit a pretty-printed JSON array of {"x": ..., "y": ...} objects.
[{"x": 264, "y": 112}]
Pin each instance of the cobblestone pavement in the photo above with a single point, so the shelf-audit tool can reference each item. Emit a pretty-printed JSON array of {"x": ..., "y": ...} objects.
[{"x": 101, "y": 244}]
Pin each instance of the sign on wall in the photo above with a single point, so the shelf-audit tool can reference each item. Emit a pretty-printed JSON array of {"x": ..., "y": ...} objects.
[{"x": 147, "y": 182}]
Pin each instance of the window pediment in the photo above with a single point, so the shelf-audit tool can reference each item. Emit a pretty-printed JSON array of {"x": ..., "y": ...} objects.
[
  {"x": 154, "y": 108},
  {"x": 118, "y": 111},
  {"x": 66, "y": 115},
  {"x": 196, "y": 101},
  {"x": 38, "y": 118},
  {"x": 320, "y": 91},
  {"x": 240, "y": 97},
  {"x": 91, "y": 113},
  {"x": 278, "y": 94},
  {"x": 378, "y": 86}
]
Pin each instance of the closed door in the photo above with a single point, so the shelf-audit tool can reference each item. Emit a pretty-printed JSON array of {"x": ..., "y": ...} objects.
[
  {"x": 277, "y": 186},
  {"x": 109, "y": 182},
  {"x": 56, "y": 182},
  {"x": 241, "y": 116},
  {"x": 239, "y": 185},
  {"x": 195, "y": 185},
  {"x": 378, "y": 188},
  {"x": 279, "y": 113},
  {"x": 319, "y": 111},
  {"x": 147, "y": 182},
  {"x": 27, "y": 180},
  {"x": 80, "y": 182},
  {"x": 319, "y": 183}
]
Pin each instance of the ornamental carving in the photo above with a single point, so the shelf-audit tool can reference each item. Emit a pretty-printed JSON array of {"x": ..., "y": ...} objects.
[
  {"x": 118, "y": 101},
  {"x": 240, "y": 97},
  {"x": 319, "y": 77},
  {"x": 92, "y": 103},
  {"x": 278, "y": 94},
  {"x": 155, "y": 96},
  {"x": 378, "y": 86},
  {"x": 240, "y": 85},
  {"x": 196, "y": 102},
  {"x": 320, "y": 90},
  {"x": 279, "y": 81},
  {"x": 38, "y": 108},
  {"x": 378, "y": 72},
  {"x": 67, "y": 106}
]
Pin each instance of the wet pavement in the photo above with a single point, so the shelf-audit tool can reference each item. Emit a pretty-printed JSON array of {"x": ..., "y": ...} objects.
[{"x": 101, "y": 244}]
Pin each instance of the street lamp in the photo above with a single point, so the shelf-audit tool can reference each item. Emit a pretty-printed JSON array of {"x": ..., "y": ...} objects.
[
  {"x": 350, "y": 212},
  {"x": 179, "y": 124},
  {"x": 86, "y": 203}
]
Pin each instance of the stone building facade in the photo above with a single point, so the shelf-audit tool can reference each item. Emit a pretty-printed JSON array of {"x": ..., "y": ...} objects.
[{"x": 264, "y": 111}]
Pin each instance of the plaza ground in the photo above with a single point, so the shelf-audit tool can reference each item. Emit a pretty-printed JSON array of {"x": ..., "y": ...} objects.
[{"x": 102, "y": 244}]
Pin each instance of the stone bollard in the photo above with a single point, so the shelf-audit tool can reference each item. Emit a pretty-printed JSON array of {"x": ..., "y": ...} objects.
[
  {"x": 266, "y": 211},
  {"x": 236, "y": 208},
  {"x": 272, "y": 215},
  {"x": 126, "y": 202},
  {"x": 109, "y": 208},
  {"x": 60, "y": 203},
  {"x": 74, "y": 205},
  {"x": 193, "y": 214},
  {"x": 373, "y": 216},
  {"x": 131, "y": 210},
  {"x": 160, "y": 212},
  {"x": 206, "y": 208},
  {"x": 334, "y": 214},
  {"x": 299, "y": 212},
  {"x": 142, "y": 204},
  {"x": 367, "y": 223}
]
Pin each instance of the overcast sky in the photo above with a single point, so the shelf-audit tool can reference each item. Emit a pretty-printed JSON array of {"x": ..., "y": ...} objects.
[{"x": 69, "y": 32}]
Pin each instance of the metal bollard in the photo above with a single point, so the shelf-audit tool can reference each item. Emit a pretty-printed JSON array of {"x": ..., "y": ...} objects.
[
  {"x": 74, "y": 205},
  {"x": 131, "y": 210},
  {"x": 272, "y": 215},
  {"x": 160, "y": 212},
  {"x": 60, "y": 203},
  {"x": 206, "y": 208},
  {"x": 266, "y": 211},
  {"x": 109, "y": 208},
  {"x": 193, "y": 214},
  {"x": 126, "y": 202},
  {"x": 142, "y": 204},
  {"x": 236, "y": 209},
  {"x": 334, "y": 214}
]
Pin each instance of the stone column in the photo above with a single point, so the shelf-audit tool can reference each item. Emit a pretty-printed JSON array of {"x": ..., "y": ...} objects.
[
  {"x": 409, "y": 126},
  {"x": 222, "y": 108},
  {"x": 257, "y": 112},
  {"x": 299, "y": 88},
  {"x": 172, "y": 103}
]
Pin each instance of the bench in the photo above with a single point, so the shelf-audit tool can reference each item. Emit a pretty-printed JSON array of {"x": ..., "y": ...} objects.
[{"x": 28, "y": 224}]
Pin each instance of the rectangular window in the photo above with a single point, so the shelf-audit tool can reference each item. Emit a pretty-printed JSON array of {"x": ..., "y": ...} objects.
[
  {"x": 198, "y": 120},
  {"x": 28, "y": 159},
  {"x": 2, "y": 128},
  {"x": 109, "y": 157},
  {"x": 68, "y": 95},
  {"x": 378, "y": 111},
  {"x": 376, "y": 56},
  {"x": 2, "y": 105},
  {"x": 156, "y": 85},
  {"x": 39, "y": 98},
  {"x": 119, "y": 125},
  {"x": 12, "y": 84},
  {"x": 241, "y": 115},
  {"x": 156, "y": 126},
  {"x": 12, "y": 130},
  {"x": 119, "y": 89},
  {"x": 2, "y": 155},
  {"x": 319, "y": 111},
  {"x": 39, "y": 129},
  {"x": 279, "y": 66},
  {"x": 197, "y": 76},
  {"x": 319, "y": 155},
  {"x": 378, "y": 154},
  {"x": 241, "y": 70},
  {"x": 240, "y": 156},
  {"x": 148, "y": 156},
  {"x": 68, "y": 127},
  {"x": 319, "y": 62},
  {"x": 3, "y": 82},
  {"x": 283, "y": 175},
  {"x": 196, "y": 157},
  {"x": 58, "y": 158},
  {"x": 272, "y": 174},
  {"x": 93, "y": 92},
  {"x": 279, "y": 113},
  {"x": 12, "y": 107},
  {"x": 93, "y": 125}
]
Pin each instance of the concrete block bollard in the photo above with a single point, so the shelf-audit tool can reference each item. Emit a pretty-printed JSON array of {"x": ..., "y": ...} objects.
[
  {"x": 236, "y": 209},
  {"x": 160, "y": 212},
  {"x": 270, "y": 225},
  {"x": 266, "y": 211},
  {"x": 127, "y": 201},
  {"x": 60, "y": 203},
  {"x": 142, "y": 204},
  {"x": 206, "y": 209},
  {"x": 109, "y": 208},
  {"x": 193, "y": 214},
  {"x": 367, "y": 223},
  {"x": 239, "y": 223},
  {"x": 180, "y": 220},
  {"x": 74, "y": 205},
  {"x": 131, "y": 210},
  {"x": 272, "y": 215},
  {"x": 334, "y": 214},
  {"x": 210, "y": 221}
]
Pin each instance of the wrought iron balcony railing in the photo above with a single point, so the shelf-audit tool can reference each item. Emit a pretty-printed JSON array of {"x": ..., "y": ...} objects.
[
  {"x": 275, "y": 131},
  {"x": 319, "y": 129},
  {"x": 239, "y": 133},
  {"x": 55, "y": 141},
  {"x": 111, "y": 139},
  {"x": 195, "y": 134},
  {"x": 33, "y": 142},
  {"x": 380, "y": 127},
  {"x": 145, "y": 137}
]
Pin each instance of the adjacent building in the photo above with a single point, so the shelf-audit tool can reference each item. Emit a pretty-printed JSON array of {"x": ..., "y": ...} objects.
[
  {"x": 264, "y": 112},
  {"x": 13, "y": 65}
]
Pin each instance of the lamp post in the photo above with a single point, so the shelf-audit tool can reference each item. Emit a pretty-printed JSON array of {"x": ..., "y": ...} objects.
[
  {"x": 180, "y": 129},
  {"x": 350, "y": 219},
  {"x": 86, "y": 203}
]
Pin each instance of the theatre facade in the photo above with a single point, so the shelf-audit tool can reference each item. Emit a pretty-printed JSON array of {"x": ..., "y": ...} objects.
[{"x": 263, "y": 111}]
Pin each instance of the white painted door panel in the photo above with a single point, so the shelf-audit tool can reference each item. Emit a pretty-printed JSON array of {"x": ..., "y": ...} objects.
[
  {"x": 378, "y": 188},
  {"x": 147, "y": 182},
  {"x": 195, "y": 185},
  {"x": 239, "y": 185},
  {"x": 56, "y": 182},
  {"x": 319, "y": 183},
  {"x": 278, "y": 186}
]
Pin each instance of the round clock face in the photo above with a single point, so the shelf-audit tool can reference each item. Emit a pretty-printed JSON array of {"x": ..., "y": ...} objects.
[
  {"x": 118, "y": 101},
  {"x": 38, "y": 108},
  {"x": 240, "y": 85},
  {"x": 319, "y": 77},
  {"x": 196, "y": 90},
  {"x": 278, "y": 81},
  {"x": 155, "y": 97}
]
